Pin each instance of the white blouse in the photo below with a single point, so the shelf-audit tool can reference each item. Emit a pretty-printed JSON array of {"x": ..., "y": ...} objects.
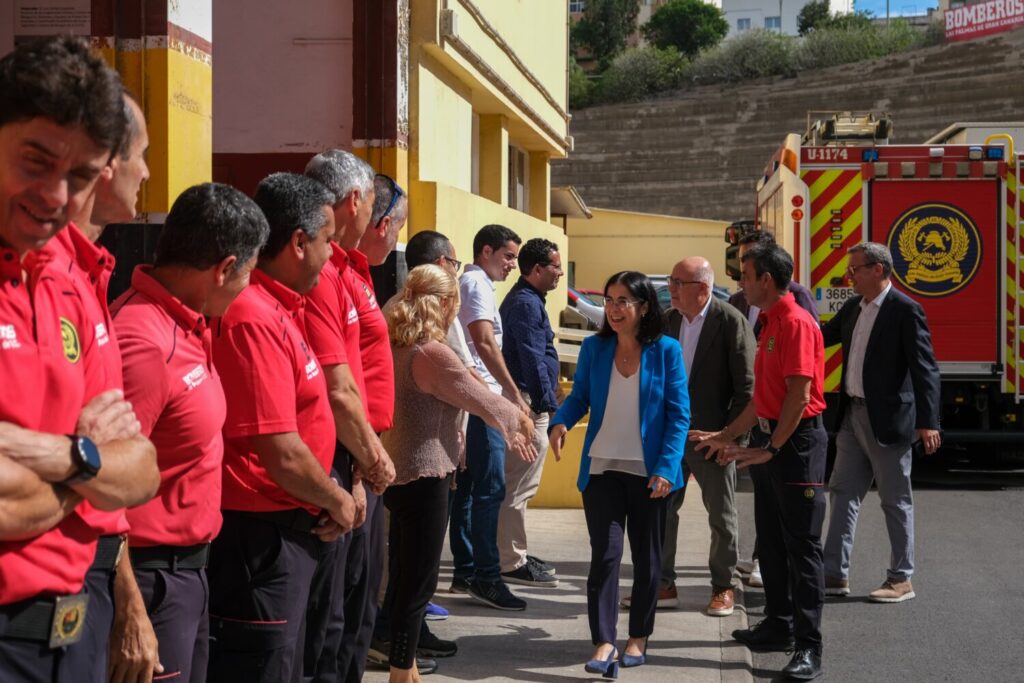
[{"x": 617, "y": 446}]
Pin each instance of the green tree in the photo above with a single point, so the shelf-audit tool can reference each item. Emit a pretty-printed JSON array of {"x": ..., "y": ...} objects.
[
  {"x": 604, "y": 28},
  {"x": 581, "y": 88},
  {"x": 814, "y": 14},
  {"x": 687, "y": 25}
]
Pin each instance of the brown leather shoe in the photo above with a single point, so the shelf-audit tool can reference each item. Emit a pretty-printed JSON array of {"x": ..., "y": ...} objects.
[
  {"x": 834, "y": 586},
  {"x": 893, "y": 591},
  {"x": 668, "y": 598},
  {"x": 722, "y": 602}
]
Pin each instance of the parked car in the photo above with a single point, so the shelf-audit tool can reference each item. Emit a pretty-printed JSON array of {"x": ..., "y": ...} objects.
[
  {"x": 590, "y": 304},
  {"x": 660, "y": 283}
]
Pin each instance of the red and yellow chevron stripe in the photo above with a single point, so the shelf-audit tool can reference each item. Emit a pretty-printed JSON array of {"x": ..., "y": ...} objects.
[
  {"x": 1014, "y": 288},
  {"x": 833, "y": 192}
]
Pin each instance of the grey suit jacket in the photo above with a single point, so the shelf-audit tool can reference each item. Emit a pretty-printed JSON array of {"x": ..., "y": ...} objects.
[{"x": 721, "y": 380}]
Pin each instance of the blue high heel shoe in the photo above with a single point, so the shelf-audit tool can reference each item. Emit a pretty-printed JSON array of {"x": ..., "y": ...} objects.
[
  {"x": 629, "y": 661},
  {"x": 608, "y": 668}
]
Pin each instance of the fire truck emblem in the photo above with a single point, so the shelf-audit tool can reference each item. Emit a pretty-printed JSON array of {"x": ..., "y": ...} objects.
[{"x": 935, "y": 248}]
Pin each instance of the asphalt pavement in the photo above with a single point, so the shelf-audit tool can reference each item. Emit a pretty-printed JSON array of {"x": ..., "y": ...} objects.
[
  {"x": 550, "y": 641},
  {"x": 964, "y": 625}
]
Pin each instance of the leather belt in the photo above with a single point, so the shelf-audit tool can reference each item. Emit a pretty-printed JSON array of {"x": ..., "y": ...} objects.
[
  {"x": 57, "y": 621},
  {"x": 108, "y": 552},
  {"x": 296, "y": 519},
  {"x": 857, "y": 400},
  {"x": 813, "y": 422},
  {"x": 171, "y": 557}
]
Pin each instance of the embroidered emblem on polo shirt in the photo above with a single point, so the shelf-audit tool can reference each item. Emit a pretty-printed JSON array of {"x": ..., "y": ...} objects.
[
  {"x": 102, "y": 338},
  {"x": 353, "y": 316},
  {"x": 370, "y": 298},
  {"x": 312, "y": 369},
  {"x": 9, "y": 337},
  {"x": 195, "y": 377},
  {"x": 771, "y": 344},
  {"x": 69, "y": 337}
]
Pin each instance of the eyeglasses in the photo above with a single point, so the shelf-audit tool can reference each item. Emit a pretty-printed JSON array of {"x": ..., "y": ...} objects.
[
  {"x": 620, "y": 303},
  {"x": 557, "y": 269},
  {"x": 852, "y": 270},
  {"x": 396, "y": 192},
  {"x": 677, "y": 283},
  {"x": 454, "y": 262}
]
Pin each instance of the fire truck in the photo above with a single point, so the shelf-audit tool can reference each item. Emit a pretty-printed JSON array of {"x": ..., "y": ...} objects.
[{"x": 950, "y": 211}]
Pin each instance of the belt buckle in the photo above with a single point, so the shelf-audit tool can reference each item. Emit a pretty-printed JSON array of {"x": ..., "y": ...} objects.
[
  {"x": 120, "y": 550},
  {"x": 764, "y": 425},
  {"x": 68, "y": 620}
]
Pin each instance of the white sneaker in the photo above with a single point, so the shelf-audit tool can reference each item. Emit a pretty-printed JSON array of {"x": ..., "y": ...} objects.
[
  {"x": 755, "y": 575},
  {"x": 746, "y": 566}
]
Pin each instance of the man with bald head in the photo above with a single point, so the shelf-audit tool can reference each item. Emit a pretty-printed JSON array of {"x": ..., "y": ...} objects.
[{"x": 718, "y": 350}]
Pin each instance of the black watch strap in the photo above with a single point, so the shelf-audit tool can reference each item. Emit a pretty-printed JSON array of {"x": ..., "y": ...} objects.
[
  {"x": 774, "y": 450},
  {"x": 86, "y": 457}
]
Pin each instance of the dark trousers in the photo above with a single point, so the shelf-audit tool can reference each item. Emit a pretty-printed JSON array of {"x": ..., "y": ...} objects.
[
  {"x": 363, "y": 569},
  {"x": 789, "y": 510},
  {"x": 259, "y": 577},
  {"x": 419, "y": 515},
  {"x": 617, "y": 504},
  {"x": 92, "y": 651},
  {"x": 479, "y": 493},
  {"x": 28, "y": 661},
  {"x": 177, "y": 604}
]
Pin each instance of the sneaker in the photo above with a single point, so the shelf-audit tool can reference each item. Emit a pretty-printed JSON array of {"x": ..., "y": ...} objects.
[
  {"x": 435, "y": 612},
  {"x": 497, "y": 595},
  {"x": 668, "y": 598},
  {"x": 459, "y": 585},
  {"x": 380, "y": 652},
  {"x": 755, "y": 579},
  {"x": 834, "y": 586},
  {"x": 431, "y": 646},
  {"x": 893, "y": 591},
  {"x": 542, "y": 566},
  {"x": 746, "y": 566},
  {"x": 529, "y": 575},
  {"x": 722, "y": 602}
]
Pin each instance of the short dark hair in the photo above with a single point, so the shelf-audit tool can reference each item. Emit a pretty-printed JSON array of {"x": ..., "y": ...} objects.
[
  {"x": 494, "y": 236},
  {"x": 652, "y": 325},
  {"x": 388, "y": 200},
  {"x": 757, "y": 237},
  {"x": 291, "y": 202},
  {"x": 425, "y": 247},
  {"x": 773, "y": 260},
  {"x": 131, "y": 127},
  {"x": 208, "y": 223},
  {"x": 536, "y": 252},
  {"x": 60, "y": 79}
]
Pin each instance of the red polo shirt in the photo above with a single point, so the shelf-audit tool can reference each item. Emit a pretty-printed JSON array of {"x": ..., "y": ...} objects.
[
  {"x": 790, "y": 345},
  {"x": 41, "y": 362},
  {"x": 90, "y": 267},
  {"x": 177, "y": 395},
  {"x": 374, "y": 345},
  {"x": 332, "y": 319},
  {"x": 273, "y": 384}
]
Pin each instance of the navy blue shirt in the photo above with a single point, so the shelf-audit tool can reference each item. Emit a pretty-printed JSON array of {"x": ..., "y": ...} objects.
[{"x": 528, "y": 345}]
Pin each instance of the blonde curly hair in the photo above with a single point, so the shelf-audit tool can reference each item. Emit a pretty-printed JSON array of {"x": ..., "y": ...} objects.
[{"x": 424, "y": 308}]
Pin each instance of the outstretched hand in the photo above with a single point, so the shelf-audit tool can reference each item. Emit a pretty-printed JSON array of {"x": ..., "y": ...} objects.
[{"x": 556, "y": 437}]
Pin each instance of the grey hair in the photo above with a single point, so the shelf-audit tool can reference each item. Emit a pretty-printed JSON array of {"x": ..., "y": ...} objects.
[
  {"x": 874, "y": 253},
  {"x": 706, "y": 275},
  {"x": 341, "y": 172}
]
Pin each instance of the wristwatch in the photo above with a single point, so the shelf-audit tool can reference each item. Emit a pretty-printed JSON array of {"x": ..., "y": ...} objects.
[
  {"x": 774, "y": 450},
  {"x": 86, "y": 457}
]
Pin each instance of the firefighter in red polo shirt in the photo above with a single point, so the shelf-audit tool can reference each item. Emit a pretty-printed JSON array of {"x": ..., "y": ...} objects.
[
  {"x": 789, "y": 379},
  {"x": 206, "y": 251},
  {"x": 281, "y": 508},
  {"x": 61, "y": 115}
]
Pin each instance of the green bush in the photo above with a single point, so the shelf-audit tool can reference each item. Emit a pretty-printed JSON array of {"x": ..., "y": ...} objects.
[
  {"x": 827, "y": 47},
  {"x": 640, "y": 72},
  {"x": 581, "y": 87},
  {"x": 751, "y": 54}
]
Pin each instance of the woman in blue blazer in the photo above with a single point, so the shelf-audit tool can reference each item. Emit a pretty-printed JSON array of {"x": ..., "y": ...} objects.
[{"x": 632, "y": 380}]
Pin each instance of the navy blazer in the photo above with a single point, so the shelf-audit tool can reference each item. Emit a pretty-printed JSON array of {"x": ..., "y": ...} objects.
[
  {"x": 901, "y": 377},
  {"x": 664, "y": 403}
]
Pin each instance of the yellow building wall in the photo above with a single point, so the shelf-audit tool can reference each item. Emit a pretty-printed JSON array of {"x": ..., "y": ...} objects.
[
  {"x": 444, "y": 118},
  {"x": 622, "y": 240}
]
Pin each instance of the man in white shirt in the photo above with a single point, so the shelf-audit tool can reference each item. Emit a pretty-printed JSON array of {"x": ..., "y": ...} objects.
[
  {"x": 889, "y": 399},
  {"x": 480, "y": 488},
  {"x": 718, "y": 350}
]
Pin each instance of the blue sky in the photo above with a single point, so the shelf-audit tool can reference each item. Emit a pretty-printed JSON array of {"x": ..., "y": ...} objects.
[{"x": 896, "y": 7}]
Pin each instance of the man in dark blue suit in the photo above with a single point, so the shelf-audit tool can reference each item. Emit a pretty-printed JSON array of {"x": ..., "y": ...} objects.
[{"x": 889, "y": 399}]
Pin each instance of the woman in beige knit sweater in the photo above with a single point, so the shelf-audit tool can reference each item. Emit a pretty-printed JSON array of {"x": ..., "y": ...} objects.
[{"x": 432, "y": 388}]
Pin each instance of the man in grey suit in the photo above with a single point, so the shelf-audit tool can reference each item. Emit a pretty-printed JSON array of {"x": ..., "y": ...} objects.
[{"x": 718, "y": 350}]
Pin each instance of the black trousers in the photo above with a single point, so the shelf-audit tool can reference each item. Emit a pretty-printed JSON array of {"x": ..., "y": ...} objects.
[
  {"x": 177, "y": 603},
  {"x": 92, "y": 651},
  {"x": 617, "y": 505},
  {"x": 363, "y": 570},
  {"x": 259, "y": 577},
  {"x": 789, "y": 510},
  {"x": 419, "y": 519}
]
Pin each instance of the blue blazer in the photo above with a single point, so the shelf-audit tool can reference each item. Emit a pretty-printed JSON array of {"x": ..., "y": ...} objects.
[{"x": 664, "y": 403}]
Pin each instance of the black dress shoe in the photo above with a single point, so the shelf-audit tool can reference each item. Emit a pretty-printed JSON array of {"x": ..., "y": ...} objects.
[
  {"x": 805, "y": 665},
  {"x": 769, "y": 635}
]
